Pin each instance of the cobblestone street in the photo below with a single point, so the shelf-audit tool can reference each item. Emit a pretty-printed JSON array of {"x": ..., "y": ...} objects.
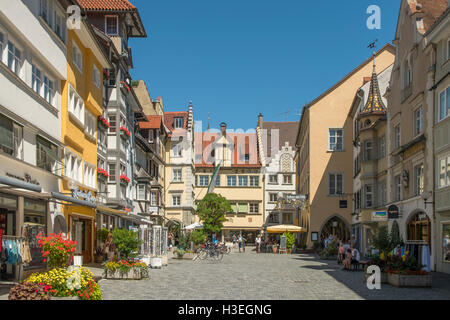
[{"x": 262, "y": 276}]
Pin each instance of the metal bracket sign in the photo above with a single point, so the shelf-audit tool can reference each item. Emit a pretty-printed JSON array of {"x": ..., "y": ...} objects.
[{"x": 77, "y": 193}]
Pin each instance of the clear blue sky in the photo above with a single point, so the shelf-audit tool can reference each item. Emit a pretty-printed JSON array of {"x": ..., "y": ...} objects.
[{"x": 237, "y": 58}]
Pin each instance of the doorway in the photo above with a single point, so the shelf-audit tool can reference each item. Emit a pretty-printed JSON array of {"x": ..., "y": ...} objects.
[{"x": 81, "y": 232}]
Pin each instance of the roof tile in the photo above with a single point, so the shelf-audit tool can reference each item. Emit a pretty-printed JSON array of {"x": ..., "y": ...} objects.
[{"x": 107, "y": 5}]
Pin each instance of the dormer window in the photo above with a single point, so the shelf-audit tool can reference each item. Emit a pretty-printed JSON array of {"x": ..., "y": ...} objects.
[
  {"x": 178, "y": 123},
  {"x": 112, "y": 25}
]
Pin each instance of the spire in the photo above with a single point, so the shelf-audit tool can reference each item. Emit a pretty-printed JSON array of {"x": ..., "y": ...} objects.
[{"x": 209, "y": 118}]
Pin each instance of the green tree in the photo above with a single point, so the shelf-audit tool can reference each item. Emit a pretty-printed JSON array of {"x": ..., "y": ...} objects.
[
  {"x": 290, "y": 239},
  {"x": 126, "y": 242},
  {"x": 198, "y": 237},
  {"x": 211, "y": 211}
]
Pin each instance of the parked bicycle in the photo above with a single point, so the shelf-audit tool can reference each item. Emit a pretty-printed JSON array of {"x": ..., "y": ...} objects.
[{"x": 209, "y": 251}]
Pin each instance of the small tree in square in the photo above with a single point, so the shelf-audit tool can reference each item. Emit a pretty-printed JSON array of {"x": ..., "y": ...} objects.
[{"x": 211, "y": 212}]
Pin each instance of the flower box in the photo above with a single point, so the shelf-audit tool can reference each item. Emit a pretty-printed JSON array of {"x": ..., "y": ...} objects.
[
  {"x": 102, "y": 120},
  {"x": 132, "y": 274},
  {"x": 402, "y": 280},
  {"x": 125, "y": 132},
  {"x": 102, "y": 173},
  {"x": 124, "y": 179}
]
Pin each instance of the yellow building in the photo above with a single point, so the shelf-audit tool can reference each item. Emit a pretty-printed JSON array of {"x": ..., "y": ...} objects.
[
  {"x": 325, "y": 154},
  {"x": 82, "y": 101},
  {"x": 239, "y": 179}
]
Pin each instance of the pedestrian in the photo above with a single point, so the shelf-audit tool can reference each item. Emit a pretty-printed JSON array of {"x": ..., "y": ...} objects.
[
  {"x": 258, "y": 244},
  {"x": 348, "y": 260},
  {"x": 243, "y": 243},
  {"x": 355, "y": 258},
  {"x": 234, "y": 239},
  {"x": 341, "y": 253},
  {"x": 108, "y": 247},
  {"x": 240, "y": 242}
]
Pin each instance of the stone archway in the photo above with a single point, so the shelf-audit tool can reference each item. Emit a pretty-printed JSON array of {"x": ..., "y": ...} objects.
[
  {"x": 418, "y": 227},
  {"x": 336, "y": 226}
]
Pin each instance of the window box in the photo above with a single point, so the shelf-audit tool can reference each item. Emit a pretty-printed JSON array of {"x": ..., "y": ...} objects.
[
  {"x": 101, "y": 173},
  {"x": 125, "y": 131},
  {"x": 124, "y": 85},
  {"x": 103, "y": 122},
  {"x": 124, "y": 179}
]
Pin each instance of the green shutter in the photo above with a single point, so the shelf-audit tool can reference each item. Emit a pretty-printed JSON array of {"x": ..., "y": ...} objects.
[
  {"x": 243, "y": 207},
  {"x": 233, "y": 207},
  {"x": 6, "y": 132}
]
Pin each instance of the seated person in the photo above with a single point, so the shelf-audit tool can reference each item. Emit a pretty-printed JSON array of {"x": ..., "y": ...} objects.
[
  {"x": 348, "y": 260},
  {"x": 355, "y": 258}
]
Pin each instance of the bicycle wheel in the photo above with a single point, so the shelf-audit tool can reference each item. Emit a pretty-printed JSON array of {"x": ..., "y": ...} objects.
[{"x": 203, "y": 254}]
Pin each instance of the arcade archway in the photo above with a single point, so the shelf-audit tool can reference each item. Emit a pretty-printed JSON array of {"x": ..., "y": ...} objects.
[{"x": 337, "y": 227}]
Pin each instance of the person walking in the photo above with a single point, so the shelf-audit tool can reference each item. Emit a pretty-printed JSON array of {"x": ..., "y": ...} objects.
[
  {"x": 234, "y": 239},
  {"x": 240, "y": 242},
  {"x": 258, "y": 244},
  {"x": 243, "y": 243},
  {"x": 108, "y": 247},
  {"x": 341, "y": 253}
]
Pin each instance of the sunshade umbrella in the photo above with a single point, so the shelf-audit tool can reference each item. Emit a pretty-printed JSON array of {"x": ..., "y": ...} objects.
[
  {"x": 285, "y": 228},
  {"x": 194, "y": 226}
]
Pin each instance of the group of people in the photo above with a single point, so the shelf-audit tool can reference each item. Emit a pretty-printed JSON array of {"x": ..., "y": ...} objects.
[
  {"x": 239, "y": 241},
  {"x": 348, "y": 255}
]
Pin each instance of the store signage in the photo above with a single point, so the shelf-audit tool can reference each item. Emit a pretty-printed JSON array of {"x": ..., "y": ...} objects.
[
  {"x": 77, "y": 194},
  {"x": 26, "y": 178},
  {"x": 393, "y": 212},
  {"x": 379, "y": 215}
]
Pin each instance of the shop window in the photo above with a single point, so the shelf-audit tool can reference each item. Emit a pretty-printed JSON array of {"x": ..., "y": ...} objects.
[
  {"x": 446, "y": 242},
  {"x": 419, "y": 228},
  {"x": 35, "y": 221}
]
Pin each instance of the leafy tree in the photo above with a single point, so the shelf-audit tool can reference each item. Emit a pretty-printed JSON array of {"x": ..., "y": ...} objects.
[
  {"x": 382, "y": 240},
  {"x": 290, "y": 239},
  {"x": 126, "y": 242},
  {"x": 211, "y": 211},
  {"x": 396, "y": 239}
]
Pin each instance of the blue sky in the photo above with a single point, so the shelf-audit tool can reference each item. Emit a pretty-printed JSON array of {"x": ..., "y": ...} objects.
[{"x": 238, "y": 58}]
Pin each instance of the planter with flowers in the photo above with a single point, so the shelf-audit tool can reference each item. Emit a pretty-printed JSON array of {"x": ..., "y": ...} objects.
[
  {"x": 405, "y": 271},
  {"x": 101, "y": 173},
  {"x": 124, "y": 179},
  {"x": 103, "y": 122},
  {"x": 125, "y": 132},
  {"x": 125, "y": 270},
  {"x": 56, "y": 250},
  {"x": 125, "y": 86}
]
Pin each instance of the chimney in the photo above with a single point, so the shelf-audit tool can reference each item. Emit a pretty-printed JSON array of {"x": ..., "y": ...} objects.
[
  {"x": 260, "y": 119},
  {"x": 223, "y": 128}
]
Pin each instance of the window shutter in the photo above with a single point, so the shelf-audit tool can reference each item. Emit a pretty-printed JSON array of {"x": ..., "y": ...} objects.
[
  {"x": 243, "y": 207},
  {"x": 6, "y": 132}
]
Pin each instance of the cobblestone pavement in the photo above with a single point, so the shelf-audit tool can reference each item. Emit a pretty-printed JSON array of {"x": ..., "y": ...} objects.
[{"x": 250, "y": 276}]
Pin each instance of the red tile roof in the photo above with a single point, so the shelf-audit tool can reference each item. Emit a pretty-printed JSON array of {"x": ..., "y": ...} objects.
[
  {"x": 107, "y": 5},
  {"x": 431, "y": 9},
  {"x": 170, "y": 116},
  {"x": 154, "y": 122}
]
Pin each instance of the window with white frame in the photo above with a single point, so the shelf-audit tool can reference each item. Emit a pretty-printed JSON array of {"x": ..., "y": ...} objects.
[
  {"x": 368, "y": 190},
  {"x": 418, "y": 121},
  {"x": 203, "y": 181},
  {"x": 218, "y": 180},
  {"x": 444, "y": 171},
  {"x": 243, "y": 181},
  {"x": 11, "y": 137},
  {"x": 112, "y": 171},
  {"x": 96, "y": 76},
  {"x": 60, "y": 25},
  {"x": 49, "y": 90},
  {"x": 273, "y": 197},
  {"x": 231, "y": 181},
  {"x": 335, "y": 139},
  {"x": 153, "y": 198},
  {"x": 77, "y": 57},
  {"x": 112, "y": 123},
  {"x": 397, "y": 137},
  {"x": 36, "y": 79},
  {"x": 273, "y": 179},
  {"x": 418, "y": 180},
  {"x": 444, "y": 104},
  {"x": 177, "y": 175},
  {"x": 2, "y": 44},
  {"x": 72, "y": 166},
  {"x": 177, "y": 149},
  {"x": 76, "y": 105},
  {"x": 254, "y": 181},
  {"x": 112, "y": 25},
  {"x": 90, "y": 121},
  {"x": 14, "y": 58},
  {"x": 141, "y": 194},
  {"x": 254, "y": 208},
  {"x": 397, "y": 188},
  {"x": 335, "y": 184},
  {"x": 89, "y": 175},
  {"x": 176, "y": 200},
  {"x": 178, "y": 123}
]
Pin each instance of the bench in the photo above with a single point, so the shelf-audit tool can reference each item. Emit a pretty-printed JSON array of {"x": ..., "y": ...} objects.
[{"x": 361, "y": 264}]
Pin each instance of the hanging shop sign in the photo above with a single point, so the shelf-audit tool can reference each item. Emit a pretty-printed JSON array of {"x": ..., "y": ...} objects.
[
  {"x": 393, "y": 212},
  {"x": 25, "y": 178},
  {"x": 87, "y": 196},
  {"x": 379, "y": 215}
]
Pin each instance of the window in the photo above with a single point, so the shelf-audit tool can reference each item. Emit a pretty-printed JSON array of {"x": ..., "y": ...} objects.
[
  {"x": 76, "y": 105},
  {"x": 218, "y": 180},
  {"x": 243, "y": 181},
  {"x": 176, "y": 200},
  {"x": 418, "y": 179},
  {"x": 46, "y": 154},
  {"x": 246, "y": 157},
  {"x": 72, "y": 166},
  {"x": 91, "y": 123},
  {"x": 178, "y": 123},
  {"x": 287, "y": 218},
  {"x": 397, "y": 141},
  {"x": 14, "y": 58},
  {"x": 112, "y": 123},
  {"x": 336, "y": 140},
  {"x": 100, "y": 163},
  {"x": 60, "y": 26},
  {"x": 273, "y": 179},
  {"x": 153, "y": 199},
  {"x": 287, "y": 179},
  {"x": 273, "y": 218},
  {"x": 204, "y": 181},
  {"x": 112, "y": 25},
  {"x": 382, "y": 146},
  {"x": 89, "y": 175},
  {"x": 397, "y": 188},
  {"x": 231, "y": 181},
  {"x": 49, "y": 91},
  {"x": 112, "y": 172},
  {"x": 335, "y": 184},
  {"x": 176, "y": 175},
  {"x": 96, "y": 76},
  {"x": 122, "y": 169},
  {"x": 368, "y": 150},
  {"x": 444, "y": 104},
  {"x": 418, "y": 121},
  {"x": 382, "y": 194},
  {"x": 273, "y": 197},
  {"x": 45, "y": 11},
  {"x": 254, "y": 208},
  {"x": 141, "y": 195},
  {"x": 11, "y": 137},
  {"x": 36, "y": 79},
  {"x": 2, "y": 42},
  {"x": 444, "y": 171},
  {"x": 369, "y": 195},
  {"x": 254, "y": 181},
  {"x": 177, "y": 149},
  {"x": 243, "y": 207},
  {"x": 77, "y": 57}
]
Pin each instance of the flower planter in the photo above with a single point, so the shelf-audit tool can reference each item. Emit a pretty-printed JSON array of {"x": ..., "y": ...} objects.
[
  {"x": 275, "y": 249},
  {"x": 400, "y": 280},
  {"x": 65, "y": 298},
  {"x": 383, "y": 277},
  {"x": 132, "y": 274},
  {"x": 98, "y": 258}
]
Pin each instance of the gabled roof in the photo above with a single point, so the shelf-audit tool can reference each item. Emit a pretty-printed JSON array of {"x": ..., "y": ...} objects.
[
  {"x": 170, "y": 116},
  {"x": 287, "y": 132},
  {"x": 154, "y": 122},
  {"x": 107, "y": 5},
  {"x": 374, "y": 104}
]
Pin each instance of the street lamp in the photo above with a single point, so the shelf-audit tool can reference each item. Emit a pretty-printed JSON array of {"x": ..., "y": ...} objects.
[{"x": 425, "y": 196}]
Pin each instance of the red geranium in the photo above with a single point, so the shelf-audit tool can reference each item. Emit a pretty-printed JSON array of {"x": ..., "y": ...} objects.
[
  {"x": 102, "y": 172},
  {"x": 125, "y": 130},
  {"x": 104, "y": 121},
  {"x": 56, "y": 249},
  {"x": 124, "y": 177}
]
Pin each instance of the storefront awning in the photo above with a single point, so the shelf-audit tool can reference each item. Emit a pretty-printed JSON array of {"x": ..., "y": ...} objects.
[
  {"x": 20, "y": 184},
  {"x": 112, "y": 211},
  {"x": 60, "y": 196},
  {"x": 285, "y": 228}
]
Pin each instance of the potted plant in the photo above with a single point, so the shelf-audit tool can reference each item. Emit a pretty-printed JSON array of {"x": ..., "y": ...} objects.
[
  {"x": 275, "y": 248},
  {"x": 125, "y": 269},
  {"x": 179, "y": 253},
  {"x": 405, "y": 271},
  {"x": 124, "y": 179},
  {"x": 290, "y": 240},
  {"x": 56, "y": 250},
  {"x": 125, "y": 131}
]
